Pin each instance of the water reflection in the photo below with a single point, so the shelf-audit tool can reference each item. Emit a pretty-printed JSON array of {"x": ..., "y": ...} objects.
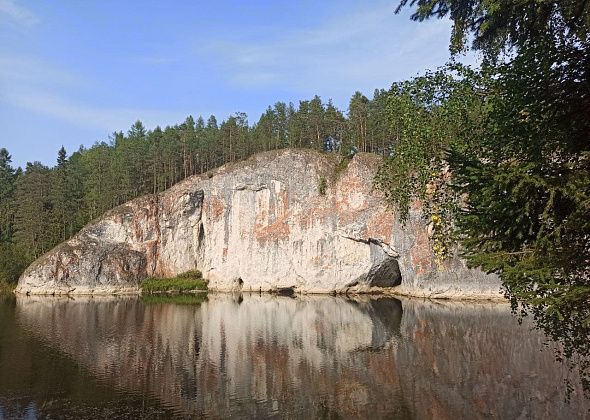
[{"x": 262, "y": 355}]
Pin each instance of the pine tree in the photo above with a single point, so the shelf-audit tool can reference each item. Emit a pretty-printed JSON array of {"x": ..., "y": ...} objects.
[
  {"x": 7, "y": 185},
  {"x": 32, "y": 221},
  {"x": 358, "y": 116},
  {"x": 61, "y": 199},
  {"x": 317, "y": 122},
  {"x": 334, "y": 127}
]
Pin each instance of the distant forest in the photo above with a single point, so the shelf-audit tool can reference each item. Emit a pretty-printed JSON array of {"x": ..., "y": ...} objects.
[{"x": 42, "y": 206}]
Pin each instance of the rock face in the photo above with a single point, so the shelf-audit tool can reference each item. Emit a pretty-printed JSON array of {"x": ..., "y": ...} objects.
[{"x": 260, "y": 225}]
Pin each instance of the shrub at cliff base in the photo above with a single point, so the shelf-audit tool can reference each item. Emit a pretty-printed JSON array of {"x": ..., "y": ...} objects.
[{"x": 185, "y": 282}]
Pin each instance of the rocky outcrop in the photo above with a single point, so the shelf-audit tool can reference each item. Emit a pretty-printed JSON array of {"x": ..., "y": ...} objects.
[{"x": 260, "y": 225}]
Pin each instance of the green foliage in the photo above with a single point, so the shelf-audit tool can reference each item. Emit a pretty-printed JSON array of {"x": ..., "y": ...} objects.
[
  {"x": 13, "y": 261},
  {"x": 33, "y": 220},
  {"x": 528, "y": 181},
  {"x": 428, "y": 115},
  {"x": 6, "y": 289},
  {"x": 186, "y": 282},
  {"x": 358, "y": 117},
  {"x": 528, "y": 173},
  {"x": 191, "y": 274},
  {"x": 333, "y": 178},
  {"x": 524, "y": 176},
  {"x": 341, "y": 167},
  {"x": 497, "y": 25},
  {"x": 8, "y": 177}
]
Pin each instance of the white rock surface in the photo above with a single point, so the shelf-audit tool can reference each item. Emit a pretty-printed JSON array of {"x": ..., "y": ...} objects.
[{"x": 259, "y": 225}]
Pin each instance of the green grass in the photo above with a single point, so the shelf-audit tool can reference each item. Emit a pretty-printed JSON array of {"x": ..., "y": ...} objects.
[
  {"x": 185, "y": 282},
  {"x": 182, "y": 299},
  {"x": 191, "y": 274}
]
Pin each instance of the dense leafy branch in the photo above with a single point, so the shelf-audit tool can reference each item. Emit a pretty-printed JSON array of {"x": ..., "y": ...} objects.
[{"x": 523, "y": 174}]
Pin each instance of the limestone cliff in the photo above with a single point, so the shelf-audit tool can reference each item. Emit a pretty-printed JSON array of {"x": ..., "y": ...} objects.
[{"x": 259, "y": 225}]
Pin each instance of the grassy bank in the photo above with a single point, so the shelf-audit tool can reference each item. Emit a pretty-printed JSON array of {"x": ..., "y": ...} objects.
[{"x": 186, "y": 282}]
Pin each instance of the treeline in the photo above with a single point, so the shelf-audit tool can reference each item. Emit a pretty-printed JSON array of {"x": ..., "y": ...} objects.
[{"x": 41, "y": 206}]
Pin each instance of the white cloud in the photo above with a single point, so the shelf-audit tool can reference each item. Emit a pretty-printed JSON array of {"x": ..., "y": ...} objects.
[
  {"x": 25, "y": 70},
  {"x": 107, "y": 119},
  {"x": 364, "y": 50},
  {"x": 39, "y": 87},
  {"x": 18, "y": 13}
]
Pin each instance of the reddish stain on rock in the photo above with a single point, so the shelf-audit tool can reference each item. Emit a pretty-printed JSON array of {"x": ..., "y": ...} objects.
[
  {"x": 216, "y": 207},
  {"x": 421, "y": 254},
  {"x": 380, "y": 225},
  {"x": 277, "y": 231}
]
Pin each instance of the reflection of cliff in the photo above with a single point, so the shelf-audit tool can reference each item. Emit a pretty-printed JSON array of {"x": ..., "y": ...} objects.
[
  {"x": 314, "y": 356},
  {"x": 40, "y": 381},
  {"x": 244, "y": 355}
]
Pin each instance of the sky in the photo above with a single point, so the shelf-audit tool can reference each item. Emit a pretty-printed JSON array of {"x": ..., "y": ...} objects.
[{"x": 72, "y": 72}]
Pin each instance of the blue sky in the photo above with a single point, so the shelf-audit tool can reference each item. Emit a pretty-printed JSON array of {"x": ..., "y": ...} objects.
[{"x": 71, "y": 72}]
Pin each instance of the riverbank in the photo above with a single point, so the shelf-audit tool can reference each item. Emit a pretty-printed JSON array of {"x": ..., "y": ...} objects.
[
  {"x": 171, "y": 287},
  {"x": 446, "y": 294}
]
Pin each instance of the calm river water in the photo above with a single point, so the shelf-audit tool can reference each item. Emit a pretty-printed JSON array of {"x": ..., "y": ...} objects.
[{"x": 255, "y": 356}]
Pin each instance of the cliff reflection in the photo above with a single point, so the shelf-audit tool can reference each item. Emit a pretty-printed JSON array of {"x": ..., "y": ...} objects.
[{"x": 255, "y": 355}]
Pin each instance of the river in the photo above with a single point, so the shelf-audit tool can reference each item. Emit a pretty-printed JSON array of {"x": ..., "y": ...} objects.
[{"x": 261, "y": 356}]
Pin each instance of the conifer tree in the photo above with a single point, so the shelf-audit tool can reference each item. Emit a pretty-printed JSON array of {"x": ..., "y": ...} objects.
[
  {"x": 61, "y": 198},
  {"x": 358, "y": 116},
  {"x": 7, "y": 185}
]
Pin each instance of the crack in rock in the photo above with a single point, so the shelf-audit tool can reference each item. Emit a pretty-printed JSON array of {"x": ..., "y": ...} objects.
[
  {"x": 250, "y": 187},
  {"x": 385, "y": 246}
]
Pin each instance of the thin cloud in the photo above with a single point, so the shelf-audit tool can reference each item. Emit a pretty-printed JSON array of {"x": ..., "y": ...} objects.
[
  {"x": 17, "y": 13},
  {"x": 37, "y": 86},
  {"x": 26, "y": 70},
  {"x": 363, "y": 51},
  {"x": 103, "y": 118}
]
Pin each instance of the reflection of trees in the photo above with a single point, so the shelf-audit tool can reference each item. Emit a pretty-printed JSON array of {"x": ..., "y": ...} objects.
[
  {"x": 40, "y": 381},
  {"x": 565, "y": 319},
  {"x": 473, "y": 360}
]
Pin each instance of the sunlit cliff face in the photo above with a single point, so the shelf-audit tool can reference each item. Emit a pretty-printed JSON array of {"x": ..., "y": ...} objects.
[
  {"x": 260, "y": 225},
  {"x": 256, "y": 355}
]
